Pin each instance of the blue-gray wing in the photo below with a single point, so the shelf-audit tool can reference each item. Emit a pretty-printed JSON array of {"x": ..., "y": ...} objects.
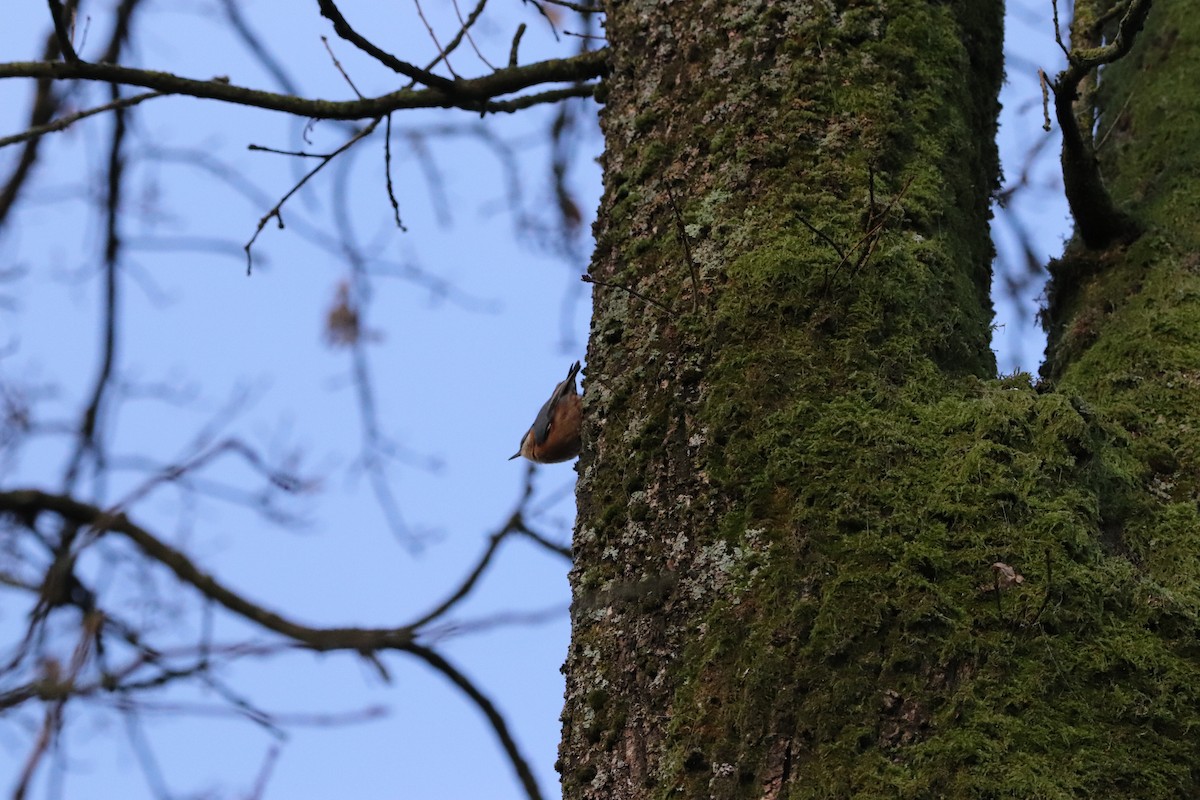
[{"x": 541, "y": 425}]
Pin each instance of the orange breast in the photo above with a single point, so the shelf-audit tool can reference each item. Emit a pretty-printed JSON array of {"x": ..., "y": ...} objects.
[{"x": 562, "y": 442}]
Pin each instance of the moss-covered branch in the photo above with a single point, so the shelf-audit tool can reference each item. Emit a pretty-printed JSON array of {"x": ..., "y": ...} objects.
[{"x": 1098, "y": 220}]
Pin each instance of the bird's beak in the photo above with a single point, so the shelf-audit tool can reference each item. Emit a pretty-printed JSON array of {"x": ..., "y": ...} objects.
[{"x": 515, "y": 455}]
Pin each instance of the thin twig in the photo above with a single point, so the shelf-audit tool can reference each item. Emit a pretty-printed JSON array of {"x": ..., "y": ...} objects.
[
  {"x": 634, "y": 292},
  {"x": 442, "y": 53},
  {"x": 387, "y": 171},
  {"x": 514, "y": 524},
  {"x": 542, "y": 541},
  {"x": 465, "y": 30},
  {"x": 1044, "y": 80},
  {"x": 46, "y": 102},
  {"x": 338, "y": 64},
  {"x": 297, "y": 153},
  {"x": 549, "y": 19},
  {"x": 824, "y": 237},
  {"x": 264, "y": 772},
  {"x": 681, "y": 230},
  {"x": 871, "y": 237},
  {"x": 539, "y": 98},
  {"x": 516, "y": 43},
  {"x": 1058, "y": 31},
  {"x": 1116, "y": 119},
  {"x": 875, "y": 224},
  {"x": 65, "y": 122}
]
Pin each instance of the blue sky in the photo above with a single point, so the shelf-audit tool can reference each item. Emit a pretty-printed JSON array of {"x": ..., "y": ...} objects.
[{"x": 458, "y": 377}]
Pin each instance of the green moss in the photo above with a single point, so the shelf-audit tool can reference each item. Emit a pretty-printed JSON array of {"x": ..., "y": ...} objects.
[
  {"x": 645, "y": 121},
  {"x": 870, "y": 629}
]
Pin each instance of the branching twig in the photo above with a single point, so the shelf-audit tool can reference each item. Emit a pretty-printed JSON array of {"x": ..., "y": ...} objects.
[
  {"x": 443, "y": 54},
  {"x": 539, "y": 98},
  {"x": 1058, "y": 30},
  {"x": 319, "y": 639},
  {"x": 278, "y": 478},
  {"x": 514, "y": 523},
  {"x": 275, "y": 212},
  {"x": 866, "y": 244},
  {"x": 465, "y": 31}
]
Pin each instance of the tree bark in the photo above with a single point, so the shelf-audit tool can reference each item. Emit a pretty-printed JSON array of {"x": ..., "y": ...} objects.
[{"x": 799, "y": 469}]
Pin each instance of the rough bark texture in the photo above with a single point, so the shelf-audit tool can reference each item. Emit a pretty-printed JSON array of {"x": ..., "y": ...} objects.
[{"x": 798, "y": 468}]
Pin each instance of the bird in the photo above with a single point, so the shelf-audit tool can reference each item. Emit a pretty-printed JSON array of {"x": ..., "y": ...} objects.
[{"x": 554, "y": 434}]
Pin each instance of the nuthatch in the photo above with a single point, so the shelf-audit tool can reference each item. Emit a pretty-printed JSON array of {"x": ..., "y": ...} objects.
[{"x": 554, "y": 435}]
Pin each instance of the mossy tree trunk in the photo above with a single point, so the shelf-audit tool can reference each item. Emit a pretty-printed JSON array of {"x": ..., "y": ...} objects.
[{"x": 799, "y": 468}]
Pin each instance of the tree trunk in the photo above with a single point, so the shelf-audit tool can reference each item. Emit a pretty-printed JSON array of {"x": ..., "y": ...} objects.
[{"x": 799, "y": 470}]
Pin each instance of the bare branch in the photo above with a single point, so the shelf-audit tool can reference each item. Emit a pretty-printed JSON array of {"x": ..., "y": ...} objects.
[
  {"x": 551, "y": 96},
  {"x": 473, "y": 94},
  {"x": 87, "y": 442},
  {"x": 62, "y": 31},
  {"x": 63, "y": 123},
  {"x": 330, "y": 11},
  {"x": 320, "y": 639},
  {"x": 494, "y": 718},
  {"x": 516, "y": 43},
  {"x": 387, "y": 172},
  {"x": 514, "y": 523}
]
